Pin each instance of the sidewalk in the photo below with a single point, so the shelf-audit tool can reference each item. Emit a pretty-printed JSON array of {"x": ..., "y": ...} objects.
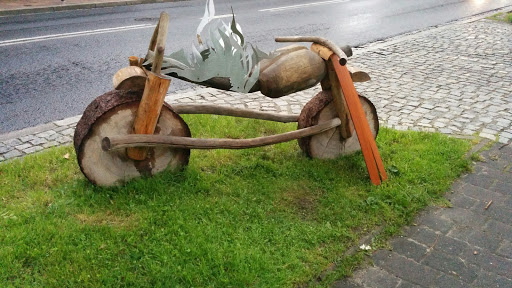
[
  {"x": 16, "y": 7},
  {"x": 455, "y": 79},
  {"x": 467, "y": 245}
]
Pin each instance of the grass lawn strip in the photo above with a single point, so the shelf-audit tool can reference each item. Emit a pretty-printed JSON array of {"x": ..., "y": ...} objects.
[{"x": 263, "y": 217}]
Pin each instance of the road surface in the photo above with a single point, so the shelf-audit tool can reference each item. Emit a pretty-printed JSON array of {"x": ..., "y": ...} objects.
[{"x": 55, "y": 64}]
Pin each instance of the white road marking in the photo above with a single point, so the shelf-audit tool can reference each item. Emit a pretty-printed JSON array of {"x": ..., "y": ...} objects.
[
  {"x": 302, "y": 5},
  {"x": 223, "y": 16},
  {"x": 74, "y": 34}
]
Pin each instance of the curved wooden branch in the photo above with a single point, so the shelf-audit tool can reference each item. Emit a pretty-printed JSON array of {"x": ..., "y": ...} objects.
[
  {"x": 235, "y": 112},
  {"x": 325, "y": 42},
  {"x": 137, "y": 140}
]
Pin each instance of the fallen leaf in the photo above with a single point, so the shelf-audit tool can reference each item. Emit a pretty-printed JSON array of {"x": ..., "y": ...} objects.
[{"x": 66, "y": 156}]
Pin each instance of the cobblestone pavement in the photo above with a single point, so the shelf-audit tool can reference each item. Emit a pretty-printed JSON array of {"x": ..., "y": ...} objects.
[
  {"x": 456, "y": 79},
  {"x": 468, "y": 245}
]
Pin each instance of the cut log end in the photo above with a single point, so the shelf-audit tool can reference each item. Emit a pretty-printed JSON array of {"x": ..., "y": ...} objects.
[{"x": 113, "y": 114}]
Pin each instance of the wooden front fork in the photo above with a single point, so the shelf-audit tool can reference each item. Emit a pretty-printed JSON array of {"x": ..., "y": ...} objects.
[{"x": 154, "y": 90}]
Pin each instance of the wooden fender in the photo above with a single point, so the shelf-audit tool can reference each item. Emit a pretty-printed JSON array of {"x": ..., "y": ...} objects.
[{"x": 129, "y": 78}]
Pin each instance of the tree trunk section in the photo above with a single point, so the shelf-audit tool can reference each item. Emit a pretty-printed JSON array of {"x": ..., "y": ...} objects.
[
  {"x": 330, "y": 144},
  {"x": 112, "y": 114}
]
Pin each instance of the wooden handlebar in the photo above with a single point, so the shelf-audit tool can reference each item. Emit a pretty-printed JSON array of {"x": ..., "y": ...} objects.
[{"x": 322, "y": 41}]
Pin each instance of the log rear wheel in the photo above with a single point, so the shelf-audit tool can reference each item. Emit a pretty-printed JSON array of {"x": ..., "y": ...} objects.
[
  {"x": 113, "y": 114},
  {"x": 329, "y": 144}
]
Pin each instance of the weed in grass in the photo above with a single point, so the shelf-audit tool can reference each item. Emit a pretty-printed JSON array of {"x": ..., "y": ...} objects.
[
  {"x": 262, "y": 217},
  {"x": 503, "y": 16}
]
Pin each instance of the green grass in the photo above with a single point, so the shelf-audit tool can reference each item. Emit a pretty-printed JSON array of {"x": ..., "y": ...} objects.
[
  {"x": 503, "y": 16},
  {"x": 265, "y": 217}
]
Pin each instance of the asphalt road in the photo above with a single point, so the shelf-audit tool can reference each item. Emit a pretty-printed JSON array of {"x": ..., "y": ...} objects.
[{"x": 55, "y": 64}]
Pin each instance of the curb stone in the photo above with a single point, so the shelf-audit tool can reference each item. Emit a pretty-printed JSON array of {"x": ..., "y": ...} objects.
[{"x": 67, "y": 7}]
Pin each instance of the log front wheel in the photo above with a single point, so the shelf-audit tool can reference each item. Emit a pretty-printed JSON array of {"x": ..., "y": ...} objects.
[
  {"x": 113, "y": 114},
  {"x": 329, "y": 144}
]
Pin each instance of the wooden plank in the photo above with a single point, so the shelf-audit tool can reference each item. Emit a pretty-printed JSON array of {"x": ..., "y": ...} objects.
[
  {"x": 339, "y": 102},
  {"x": 368, "y": 145},
  {"x": 133, "y": 140},
  {"x": 154, "y": 91},
  {"x": 149, "y": 110}
]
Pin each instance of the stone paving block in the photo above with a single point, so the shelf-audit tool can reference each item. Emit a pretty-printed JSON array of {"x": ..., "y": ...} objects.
[
  {"x": 54, "y": 136},
  {"x": 405, "y": 268},
  {"x": 479, "y": 180},
  {"x": 435, "y": 222},
  {"x": 450, "y": 265},
  {"x": 483, "y": 195},
  {"x": 449, "y": 281},
  {"x": 422, "y": 234},
  {"x": 57, "y": 129},
  {"x": 495, "y": 163},
  {"x": 406, "y": 284},
  {"x": 68, "y": 132},
  {"x": 23, "y": 146},
  {"x": 491, "y": 171},
  {"x": 505, "y": 249},
  {"x": 346, "y": 283},
  {"x": 50, "y": 144},
  {"x": 461, "y": 216},
  {"x": 12, "y": 142},
  {"x": 68, "y": 121},
  {"x": 503, "y": 188},
  {"x": 63, "y": 139},
  {"x": 490, "y": 262},
  {"x": 409, "y": 248},
  {"x": 460, "y": 232},
  {"x": 4, "y": 148},
  {"x": 27, "y": 131},
  {"x": 12, "y": 154},
  {"x": 45, "y": 134},
  {"x": 452, "y": 246},
  {"x": 504, "y": 140},
  {"x": 481, "y": 237},
  {"x": 490, "y": 280},
  {"x": 462, "y": 201},
  {"x": 496, "y": 211},
  {"x": 27, "y": 138},
  {"x": 374, "y": 277},
  {"x": 32, "y": 149},
  {"x": 37, "y": 141}
]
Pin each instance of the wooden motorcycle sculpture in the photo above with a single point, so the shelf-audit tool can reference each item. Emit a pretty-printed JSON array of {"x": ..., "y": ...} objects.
[{"x": 131, "y": 131}]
